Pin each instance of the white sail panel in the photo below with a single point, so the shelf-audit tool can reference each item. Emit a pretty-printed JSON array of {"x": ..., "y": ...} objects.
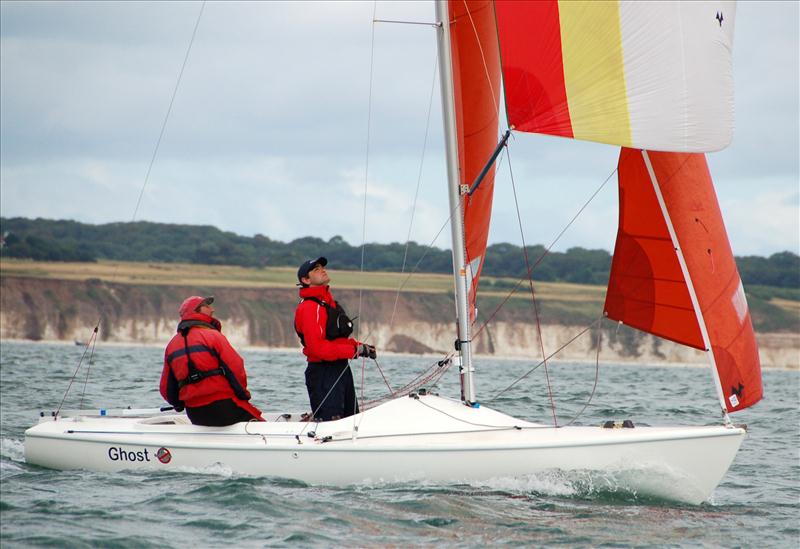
[
  {"x": 648, "y": 75},
  {"x": 679, "y": 74}
]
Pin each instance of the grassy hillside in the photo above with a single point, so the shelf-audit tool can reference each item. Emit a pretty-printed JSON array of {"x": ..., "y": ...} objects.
[
  {"x": 142, "y": 241},
  {"x": 773, "y": 309},
  {"x": 231, "y": 276}
]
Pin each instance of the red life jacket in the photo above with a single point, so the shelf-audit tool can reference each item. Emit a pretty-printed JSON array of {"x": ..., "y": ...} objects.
[
  {"x": 201, "y": 367},
  {"x": 311, "y": 322}
]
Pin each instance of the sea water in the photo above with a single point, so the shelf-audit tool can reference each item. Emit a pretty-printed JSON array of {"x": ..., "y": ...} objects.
[{"x": 757, "y": 503}]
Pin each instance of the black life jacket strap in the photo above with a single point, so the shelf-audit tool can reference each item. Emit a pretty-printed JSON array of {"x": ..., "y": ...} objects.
[
  {"x": 200, "y": 375},
  {"x": 197, "y": 375},
  {"x": 318, "y": 302},
  {"x": 338, "y": 323}
]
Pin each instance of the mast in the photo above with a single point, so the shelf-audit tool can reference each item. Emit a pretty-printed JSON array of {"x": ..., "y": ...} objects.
[
  {"x": 689, "y": 285},
  {"x": 455, "y": 195}
]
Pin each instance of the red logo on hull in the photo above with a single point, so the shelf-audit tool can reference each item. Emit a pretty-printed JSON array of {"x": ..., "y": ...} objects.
[{"x": 163, "y": 455}]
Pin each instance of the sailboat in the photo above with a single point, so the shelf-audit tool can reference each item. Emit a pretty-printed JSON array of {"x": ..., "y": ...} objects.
[{"x": 652, "y": 78}]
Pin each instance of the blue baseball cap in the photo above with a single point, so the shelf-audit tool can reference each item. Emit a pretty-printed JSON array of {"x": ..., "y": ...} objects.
[{"x": 308, "y": 266}]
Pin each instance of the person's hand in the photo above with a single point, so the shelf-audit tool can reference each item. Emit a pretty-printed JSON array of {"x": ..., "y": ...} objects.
[{"x": 366, "y": 351}]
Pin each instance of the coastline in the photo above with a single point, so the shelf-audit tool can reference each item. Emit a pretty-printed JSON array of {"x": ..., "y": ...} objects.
[
  {"x": 429, "y": 356},
  {"x": 419, "y": 324}
]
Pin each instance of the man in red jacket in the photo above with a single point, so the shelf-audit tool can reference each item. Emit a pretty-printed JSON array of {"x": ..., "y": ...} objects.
[
  {"x": 324, "y": 330},
  {"x": 202, "y": 372}
]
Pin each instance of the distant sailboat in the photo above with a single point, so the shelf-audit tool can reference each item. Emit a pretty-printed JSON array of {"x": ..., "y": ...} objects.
[{"x": 645, "y": 76}]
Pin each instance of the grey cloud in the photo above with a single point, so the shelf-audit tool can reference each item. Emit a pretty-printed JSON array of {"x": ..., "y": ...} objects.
[{"x": 85, "y": 87}]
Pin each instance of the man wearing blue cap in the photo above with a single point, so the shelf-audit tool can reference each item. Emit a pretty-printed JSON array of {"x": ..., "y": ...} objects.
[{"x": 324, "y": 330}]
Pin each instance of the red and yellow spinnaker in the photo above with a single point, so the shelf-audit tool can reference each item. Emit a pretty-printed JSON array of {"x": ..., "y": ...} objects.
[{"x": 648, "y": 75}]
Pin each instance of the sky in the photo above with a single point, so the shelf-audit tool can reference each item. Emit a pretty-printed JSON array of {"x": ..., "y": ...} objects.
[{"x": 278, "y": 129}]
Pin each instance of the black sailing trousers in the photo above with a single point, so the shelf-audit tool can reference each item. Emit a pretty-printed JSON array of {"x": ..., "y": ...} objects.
[
  {"x": 335, "y": 380},
  {"x": 218, "y": 414}
]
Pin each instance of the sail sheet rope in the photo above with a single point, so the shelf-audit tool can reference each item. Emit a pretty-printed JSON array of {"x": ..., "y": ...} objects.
[
  {"x": 414, "y": 202},
  {"x": 534, "y": 303},
  {"x": 113, "y": 276},
  {"x": 529, "y": 278},
  {"x": 483, "y": 55},
  {"x": 430, "y": 377},
  {"x": 542, "y": 256},
  {"x": 593, "y": 324},
  {"x": 598, "y": 346}
]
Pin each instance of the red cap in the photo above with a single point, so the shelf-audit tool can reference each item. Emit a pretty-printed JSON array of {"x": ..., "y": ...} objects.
[{"x": 191, "y": 304}]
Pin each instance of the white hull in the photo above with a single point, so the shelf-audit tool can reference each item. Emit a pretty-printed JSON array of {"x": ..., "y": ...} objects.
[{"x": 425, "y": 438}]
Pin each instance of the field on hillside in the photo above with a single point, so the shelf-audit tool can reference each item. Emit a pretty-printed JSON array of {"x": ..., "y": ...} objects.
[
  {"x": 773, "y": 309},
  {"x": 226, "y": 276}
]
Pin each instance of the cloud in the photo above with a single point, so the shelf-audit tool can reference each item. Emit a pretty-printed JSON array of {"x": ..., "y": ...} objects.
[
  {"x": 768, "y": 221},
  {"x": 269, "y": 129}
]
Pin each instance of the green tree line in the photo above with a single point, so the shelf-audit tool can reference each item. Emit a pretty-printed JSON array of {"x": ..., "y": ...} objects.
[{"x": 60, "y": 240}]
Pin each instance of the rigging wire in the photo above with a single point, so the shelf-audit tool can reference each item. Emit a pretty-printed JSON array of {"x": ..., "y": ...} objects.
[
  {"x": 411, "y": 222},
  {"x": 366, "y": 164},
  {"x": 416, "y": 192},
  {"x": 93, "y": 342},
  {"x": 405, "y": 22},
  {"x": 169, "y": 110},
  {"x": 113, "y": 276},
  {"x": 428, "y": 248},
  {"x": 77, "y": 368},
  {"x": 314, "y": 412}
]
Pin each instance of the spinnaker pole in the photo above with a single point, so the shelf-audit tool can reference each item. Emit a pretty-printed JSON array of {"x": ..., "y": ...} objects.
[{"x": 456, "y": 206}]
